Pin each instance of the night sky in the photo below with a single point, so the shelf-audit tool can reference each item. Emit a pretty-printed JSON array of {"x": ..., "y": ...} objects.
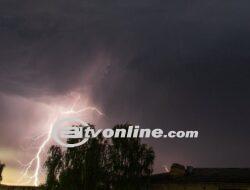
[{"x": 175, "y": 65}]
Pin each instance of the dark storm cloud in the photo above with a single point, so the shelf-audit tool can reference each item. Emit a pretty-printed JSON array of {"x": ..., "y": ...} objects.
[{"x": 173, "y": 64}]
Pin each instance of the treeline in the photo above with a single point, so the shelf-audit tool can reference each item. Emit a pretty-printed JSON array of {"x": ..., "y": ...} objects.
[{"x": 100, "y": 164}]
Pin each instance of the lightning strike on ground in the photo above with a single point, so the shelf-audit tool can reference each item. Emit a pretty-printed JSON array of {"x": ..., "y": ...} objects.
[{"x": 36, "y": 160}]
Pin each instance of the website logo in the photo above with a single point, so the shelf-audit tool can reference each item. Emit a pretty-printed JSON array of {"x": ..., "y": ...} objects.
[{"x": 74, "y": 128}]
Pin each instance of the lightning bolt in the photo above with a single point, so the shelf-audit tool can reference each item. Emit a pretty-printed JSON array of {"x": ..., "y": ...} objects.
[
  {"x": 165, "y": 168},
  {"x": 36, "y": 160}
]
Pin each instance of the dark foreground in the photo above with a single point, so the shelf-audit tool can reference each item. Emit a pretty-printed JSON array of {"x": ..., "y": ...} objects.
[{"x": 189, "y": 178}]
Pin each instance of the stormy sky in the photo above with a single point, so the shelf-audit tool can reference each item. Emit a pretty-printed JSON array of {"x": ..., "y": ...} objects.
[{"x": 175, "y": 65}]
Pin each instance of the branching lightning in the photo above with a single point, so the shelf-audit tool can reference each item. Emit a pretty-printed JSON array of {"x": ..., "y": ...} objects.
[{"x": 36, "y": 160}]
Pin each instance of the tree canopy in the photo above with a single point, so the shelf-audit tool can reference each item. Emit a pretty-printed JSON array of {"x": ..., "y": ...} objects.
[{"x": 100, "y": 164}]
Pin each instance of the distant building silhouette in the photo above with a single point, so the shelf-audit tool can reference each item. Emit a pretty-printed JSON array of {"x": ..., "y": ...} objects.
[{"x": 190, "y": 178}]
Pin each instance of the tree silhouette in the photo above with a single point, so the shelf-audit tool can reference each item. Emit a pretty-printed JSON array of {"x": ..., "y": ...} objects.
[
  {"x": 100, "y": 164},
  {"x": 1, "y": 170},
  {"x": 84, "y": 166},
  {"x": 132, "y": 161},
  {"x": 53, "y": 164}
]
